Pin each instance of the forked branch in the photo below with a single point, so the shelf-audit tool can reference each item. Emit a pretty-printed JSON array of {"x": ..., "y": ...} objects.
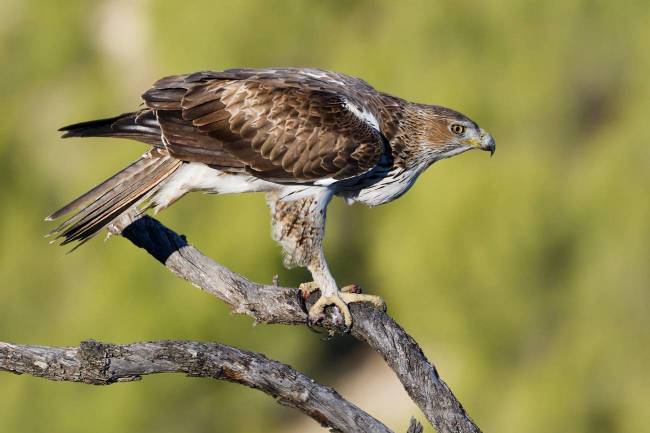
[
  {"x": 99, "y": 363},
  {"x": 274, "y": 304}
]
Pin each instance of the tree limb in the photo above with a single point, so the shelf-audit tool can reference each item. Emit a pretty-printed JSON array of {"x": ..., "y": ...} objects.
[
  {"x": 103, "y": 364},
  {"x": 274, "y": 304}
]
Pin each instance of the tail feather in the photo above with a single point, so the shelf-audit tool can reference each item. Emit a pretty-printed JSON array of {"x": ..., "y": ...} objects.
[
  {"x": 139, "y": 125},
  {"x": 103, "y": 188},
  {"x": 108, "y": 200},
  {"x": 105, "y": 210}
]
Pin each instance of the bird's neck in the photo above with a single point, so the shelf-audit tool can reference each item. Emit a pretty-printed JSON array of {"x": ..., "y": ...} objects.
[{"x": 407, "y": 131}]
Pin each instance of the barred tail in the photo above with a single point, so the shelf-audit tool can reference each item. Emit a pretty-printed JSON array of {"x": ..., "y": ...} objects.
[{"x": 108, "y": 200}]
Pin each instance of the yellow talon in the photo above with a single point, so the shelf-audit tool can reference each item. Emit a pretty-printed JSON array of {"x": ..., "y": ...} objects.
[
  {"x": 360, "y": 297},
  {"x": 316, "y": 312},
  {"x": 340, "y": 299},
  {"x": 307, "y": 289}
]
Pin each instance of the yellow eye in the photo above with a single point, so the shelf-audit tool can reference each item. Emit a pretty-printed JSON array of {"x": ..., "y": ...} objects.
[{"x": 457, "y": 129}]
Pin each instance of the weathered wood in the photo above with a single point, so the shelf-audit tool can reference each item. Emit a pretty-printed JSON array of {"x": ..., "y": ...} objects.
[
  {"x": 103, "y": 364},
  {"x": 274, "y": 304},
  {"x": 99, "y": 363}
]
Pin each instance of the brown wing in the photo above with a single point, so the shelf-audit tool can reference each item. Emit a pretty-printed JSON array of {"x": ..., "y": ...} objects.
[{"x": 280, "y": 125}]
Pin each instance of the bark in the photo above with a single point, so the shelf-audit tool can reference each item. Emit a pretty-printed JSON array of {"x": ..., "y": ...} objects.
[
  {"x": 103, "y": 364},
  {"x": 99, "y": 363},
  {"x": 276, "y": 304}
]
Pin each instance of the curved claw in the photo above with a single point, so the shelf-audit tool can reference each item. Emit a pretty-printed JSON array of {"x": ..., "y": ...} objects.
[
  {"x": 314, "y": 320},
  {"x": 307, "y": 289},
  {"x": 317, "y": 311},
  {"x": 340, "y": 299}
]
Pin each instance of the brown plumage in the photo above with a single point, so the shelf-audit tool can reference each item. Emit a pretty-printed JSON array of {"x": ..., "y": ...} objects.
[
  {"x": 300, "y": 135},
  {"x": 114, "y": 196},
  {"x": 281, "y": 128}
]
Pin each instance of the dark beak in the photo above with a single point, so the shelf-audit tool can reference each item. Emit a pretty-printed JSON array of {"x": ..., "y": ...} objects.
[{"x": 488, "y": 143}]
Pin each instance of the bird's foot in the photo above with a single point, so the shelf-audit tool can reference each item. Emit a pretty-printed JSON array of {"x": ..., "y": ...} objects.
[
  {"x": 340, "y": 299},
  {"x": 307, "y": 289}
]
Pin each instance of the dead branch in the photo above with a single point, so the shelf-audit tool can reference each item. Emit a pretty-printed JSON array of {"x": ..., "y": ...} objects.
[
  {"x": 103, "y": 364},
  {"x": 274, "y": 304}
]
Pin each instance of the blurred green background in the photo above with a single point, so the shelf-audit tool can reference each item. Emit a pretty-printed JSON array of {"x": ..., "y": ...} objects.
[{"x": 525, "y": 277}]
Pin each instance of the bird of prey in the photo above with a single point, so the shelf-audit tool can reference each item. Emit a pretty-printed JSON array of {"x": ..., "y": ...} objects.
[{"x": 300, "y": 135}]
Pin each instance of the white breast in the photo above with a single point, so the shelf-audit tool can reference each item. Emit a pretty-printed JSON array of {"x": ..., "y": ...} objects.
[{"x": 391, "y": 186}]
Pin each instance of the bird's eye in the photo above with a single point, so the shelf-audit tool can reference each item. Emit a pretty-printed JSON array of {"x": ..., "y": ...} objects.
[{"x": 457, "y": 129}]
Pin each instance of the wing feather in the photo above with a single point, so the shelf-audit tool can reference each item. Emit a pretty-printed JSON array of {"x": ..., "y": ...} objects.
[{"x": 281, "y": 125}]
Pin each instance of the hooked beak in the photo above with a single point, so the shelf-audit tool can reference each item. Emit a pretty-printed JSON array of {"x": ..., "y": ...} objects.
[
  {"x": 484, "y": 142},
  {"x": 487, "y": 142}
]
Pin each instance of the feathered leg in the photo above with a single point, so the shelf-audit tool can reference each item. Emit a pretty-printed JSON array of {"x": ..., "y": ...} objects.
[{"x": 299, "y": 226}]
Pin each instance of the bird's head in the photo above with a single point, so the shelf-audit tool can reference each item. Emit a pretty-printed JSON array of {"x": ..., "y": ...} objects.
[{"x": 446, "y": 133}]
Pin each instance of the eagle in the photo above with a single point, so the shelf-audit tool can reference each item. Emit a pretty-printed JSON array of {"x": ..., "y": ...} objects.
[{"x": 301, "y": 136}]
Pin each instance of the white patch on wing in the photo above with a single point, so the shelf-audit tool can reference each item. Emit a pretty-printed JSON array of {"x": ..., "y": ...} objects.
[
  {"x": 321, "y": 75},
  {"x": 363, "y": 114},
  {"x": 325, "y": 182}
]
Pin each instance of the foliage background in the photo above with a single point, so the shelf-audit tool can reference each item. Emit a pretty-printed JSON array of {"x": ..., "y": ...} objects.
[{"x": 525, "y": 276}]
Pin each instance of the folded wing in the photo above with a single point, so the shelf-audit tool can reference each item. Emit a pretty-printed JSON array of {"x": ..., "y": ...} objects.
[{"x": 284, "y": 126}]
